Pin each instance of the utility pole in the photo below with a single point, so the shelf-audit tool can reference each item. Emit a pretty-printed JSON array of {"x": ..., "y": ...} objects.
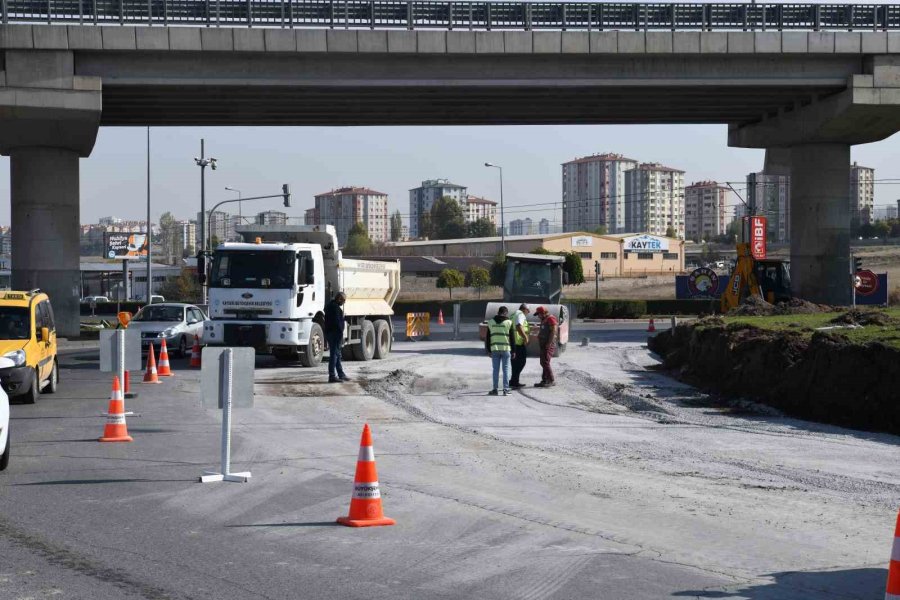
[{"x": 203, "y": 162}]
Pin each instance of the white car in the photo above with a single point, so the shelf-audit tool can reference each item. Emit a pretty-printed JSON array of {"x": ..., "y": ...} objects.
[
  {"x": 5, "y": 363},
  {"x": 176, "y": 322}
]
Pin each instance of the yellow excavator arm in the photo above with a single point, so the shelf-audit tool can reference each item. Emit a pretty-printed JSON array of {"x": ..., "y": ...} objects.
[{"x": 743, "y": 281}]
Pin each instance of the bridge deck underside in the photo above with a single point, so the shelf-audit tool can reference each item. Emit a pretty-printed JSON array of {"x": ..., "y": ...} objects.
[{"x": 421, "y": 105}]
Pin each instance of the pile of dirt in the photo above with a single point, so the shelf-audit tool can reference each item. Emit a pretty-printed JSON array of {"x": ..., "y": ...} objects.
[
  {"x": 753, "y": 306},
  {"x": 864, "y": 317},
  {"x": 826, "y": 378}
]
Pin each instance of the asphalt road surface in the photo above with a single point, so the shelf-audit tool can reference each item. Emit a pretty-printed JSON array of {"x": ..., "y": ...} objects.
[{"x": 617, "y": 484}]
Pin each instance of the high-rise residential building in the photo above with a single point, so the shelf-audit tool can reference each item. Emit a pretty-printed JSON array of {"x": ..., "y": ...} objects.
[
  {"x": 219, "y": 227},
  {"x": 344, "y": 207},
  {"x": 422, "y": 198},
  {"x": 705, "y": 215},
  {"x": 593, "y": 193},
  {"x": 862, "y": 194},
  {"x": 311, "y": 217},
  {"x": 654, "y": 200},
  {"x": 5, "y": 241},
  {"x": 770, "y": 196},
  {"x": 480, "y": 208},
  {"x": 521, "y": 227},
  {"x": 544, "y": 226},
  {"x": 271, "y": 217},
  {"x": 184, "y": 239}
]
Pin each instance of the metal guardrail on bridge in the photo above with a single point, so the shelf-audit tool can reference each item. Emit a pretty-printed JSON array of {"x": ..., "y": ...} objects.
[{"x": 400, "y": 14}]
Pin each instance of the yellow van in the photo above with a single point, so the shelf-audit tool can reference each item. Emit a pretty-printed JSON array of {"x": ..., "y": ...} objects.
[{"x": 28, "y": 338}]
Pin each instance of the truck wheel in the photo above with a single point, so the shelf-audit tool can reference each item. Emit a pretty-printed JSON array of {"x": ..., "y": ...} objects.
[
  {"x": 382, "y": 339},
  {"x": 315, "y": 350},
  {"x": 4, "y": 460},
  {"x": 365, "y": 349}
]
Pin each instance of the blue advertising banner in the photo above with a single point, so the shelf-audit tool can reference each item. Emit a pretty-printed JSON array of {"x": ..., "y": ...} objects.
[
  {"x": 700, "y": 285},
  {"x": 878, "y": 296}
]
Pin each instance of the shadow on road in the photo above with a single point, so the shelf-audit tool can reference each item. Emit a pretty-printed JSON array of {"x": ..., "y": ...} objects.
[
  {"x": 101, "y": 481},
  {"x": 849, "y": 583},
  {"x": 307, "y": 524}
]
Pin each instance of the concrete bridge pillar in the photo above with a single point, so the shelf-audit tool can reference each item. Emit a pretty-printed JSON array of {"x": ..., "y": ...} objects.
[
  {"x": 820, "y": 222},
  {"x": 48, "y": 119}
]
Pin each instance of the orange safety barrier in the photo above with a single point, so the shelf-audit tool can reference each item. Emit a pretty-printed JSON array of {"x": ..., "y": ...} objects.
[
  {"x": 440, "y": 316},
  {"x": 651, "y": 327},
  {"x": 164, "y": 370},
  {"x": 893, "y": 582},
  {"x": 195, "y": 354},
  {"x": 151, "y": 376},
  {"x": 115, "y": 429},
  {"x": 365, "y": 503},
  {"x": 418, "y": 325}
]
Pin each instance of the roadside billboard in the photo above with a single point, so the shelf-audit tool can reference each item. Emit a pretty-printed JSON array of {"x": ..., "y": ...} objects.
[
  {"x": 702, "y": 283},
  {"x": 125, "y": 245}
]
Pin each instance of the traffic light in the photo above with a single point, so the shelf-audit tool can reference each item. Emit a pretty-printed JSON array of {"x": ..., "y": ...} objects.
[
  {"x": 857, "y": 264},
  {"x": 286, "y": 192}
]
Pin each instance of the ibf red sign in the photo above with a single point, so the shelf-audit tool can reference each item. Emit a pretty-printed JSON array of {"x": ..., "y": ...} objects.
[{"x": 757, "y": 237}]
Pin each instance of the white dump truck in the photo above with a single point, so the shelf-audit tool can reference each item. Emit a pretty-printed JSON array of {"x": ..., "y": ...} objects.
[{"x": 270, "y": 291}]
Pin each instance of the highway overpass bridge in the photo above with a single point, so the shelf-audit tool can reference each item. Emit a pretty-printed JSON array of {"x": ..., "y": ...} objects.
[{"x": 803, "y": 85}]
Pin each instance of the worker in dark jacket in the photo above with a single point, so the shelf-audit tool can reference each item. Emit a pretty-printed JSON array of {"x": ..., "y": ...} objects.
[
  {"x": 547, "y": 343},
  {"x": 334, "y": 335}
]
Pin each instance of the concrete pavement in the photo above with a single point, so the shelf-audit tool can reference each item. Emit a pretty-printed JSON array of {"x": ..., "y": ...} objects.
[{"x": 530, "y": 496}]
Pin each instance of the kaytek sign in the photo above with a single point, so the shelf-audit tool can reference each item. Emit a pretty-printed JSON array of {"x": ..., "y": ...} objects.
[{"x": 646, "y": 243}]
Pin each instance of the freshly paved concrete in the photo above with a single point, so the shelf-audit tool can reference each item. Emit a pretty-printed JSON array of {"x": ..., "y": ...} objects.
[{"x": 576, "y": 492}]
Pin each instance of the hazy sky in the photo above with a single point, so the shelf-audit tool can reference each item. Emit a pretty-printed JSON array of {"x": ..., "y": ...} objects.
[{"x": 395, "y": 159}]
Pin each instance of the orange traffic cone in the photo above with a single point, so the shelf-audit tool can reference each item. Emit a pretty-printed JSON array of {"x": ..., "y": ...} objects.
[
  {"x": 195, "y": 354},
  {"x": 440, "y": 316},
  {"x": 651, "y": 328},
  {"x": 151, "y": 376},
  {"x": 164, "y": 370},
  {"x": 365, "y": 503},
  {"x": 893, "y": 582},
  {"x": 116, "y": 430}
]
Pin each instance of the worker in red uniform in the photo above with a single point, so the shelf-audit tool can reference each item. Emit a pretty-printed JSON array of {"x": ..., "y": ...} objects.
[{"x": 547, "y": 344}]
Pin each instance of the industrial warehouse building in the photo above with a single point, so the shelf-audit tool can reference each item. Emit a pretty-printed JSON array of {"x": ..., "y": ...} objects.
[{"x": 620, "y": 255}]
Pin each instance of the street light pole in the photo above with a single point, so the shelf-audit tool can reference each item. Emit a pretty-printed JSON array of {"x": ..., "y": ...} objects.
[
  {"x": 502, "y": 220},
  {"x": 231, "y": 189},
  {"x": 285, "y": 195},
  {"x": 203, "y": 162},
  {"x": 149, "y": 228}
]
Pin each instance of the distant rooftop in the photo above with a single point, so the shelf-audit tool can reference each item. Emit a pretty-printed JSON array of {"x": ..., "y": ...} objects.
[
  {"x": 351, "y": 190},
  {"x": 441, "y": 183},
  {"x": 658, "y": 167},
  {"x": 607, "y": 156},
  {"x": 477, "y": 200}
]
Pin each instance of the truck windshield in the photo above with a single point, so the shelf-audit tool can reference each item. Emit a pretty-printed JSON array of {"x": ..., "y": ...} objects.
[
  {"x": 14, "y": 323},
  {"x": 530, "y": 280},
  {"x": 252, "y": 269}
]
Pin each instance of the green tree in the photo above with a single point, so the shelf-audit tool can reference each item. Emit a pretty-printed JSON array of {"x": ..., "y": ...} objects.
[
  {"x": 426, "y": 229},
  {"x": 184, "y": 288},
  {"x": 482, "y": 228},
  {"x": 448, "y": 220},
  {"x": 670, "y": 232},
  {"x": 167, "y": 235},
  {"x": 498, "y": 271},
  {"x": 449, "y": 279},
  {"x": 396, "y": 227},
  {"x": 600, "y": 230},
  {"x": 479, "y": 278},
  {"x": 881, "y": 229},
  {"x": 358, "y": 242}
]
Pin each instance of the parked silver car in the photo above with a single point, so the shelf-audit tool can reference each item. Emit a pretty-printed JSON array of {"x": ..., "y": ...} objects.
[{"x": 175, "y": 322}]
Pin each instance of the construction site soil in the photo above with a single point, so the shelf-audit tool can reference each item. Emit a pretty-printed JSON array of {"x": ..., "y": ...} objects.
[{"x": 823, "y": 377}]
